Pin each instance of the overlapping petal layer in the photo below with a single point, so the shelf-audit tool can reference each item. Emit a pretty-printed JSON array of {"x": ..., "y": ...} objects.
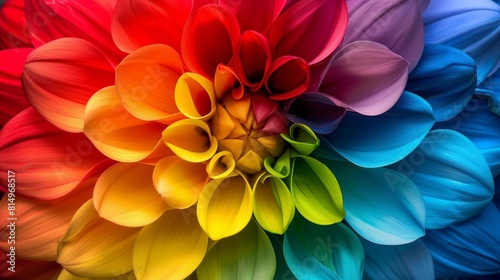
[{"x": 13, "y": 29}]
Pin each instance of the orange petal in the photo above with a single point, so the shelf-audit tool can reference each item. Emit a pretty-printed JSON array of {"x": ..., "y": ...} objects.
[
  {"x": 179, "y": 182},
  {"x": 125, "y": 195},
  {"x": 288, "y": 77},
  {"x": 252, "y": 59},
  {"x": 48, "y": 162},
  {"x": 60, "y": 77},
  {"x": 33, "y": 270},
  {"x": 209, "y": 38},
  {"x": 115, "y": 132},
  {"x": 11, "y": 91},
  {"x": 39, "y": 225},
  {"x": 139, "y": 23},
  {"x": 226, "y": 81},
  {"x": 13, "y": 29},
  {"x": 195, "y": 96},
  {"x": 95, "y": 248},
  {"x": 145, "y": 81}
]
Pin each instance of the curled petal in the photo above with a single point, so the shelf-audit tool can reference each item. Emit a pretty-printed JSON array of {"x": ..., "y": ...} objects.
[
  {"x": 13, "y": 29},
  {"x": 316, "y": 110},
  {"x": 145, "y": 81},
  {"x": 226, "y": 81},
  {"x": 89, "y": 20},
  {"x": 251, "y": 248},
  {"x": 365, "y": 77},
  {"x": 209, "y": 38},
  {"x": 254, "y": 15},
  {"x": 49, "y": 162},
  {"x": 94, "y": 247},
  {"x": 138, "y": 23},
  {"x": 125, "y": 195},
  {"x": 60, "y": 77},
  {"x": 272, "y": 204},
  {"x": 190, "y": 140},
  {"x": 252, "y": 58},
  {"x": 170, "y": 248},
  {"x": 221, "y": 165},
  {"x": 291, "y": 33},
  {"x": 302, "y": 139},
  {"x": 288, "y": 77},
  {"x": 195, "y": 96},
  {"x": 11, "y": 91},
  {"x": 225, "y": 206},
  {"x": 115, "y": 132},
  {"x": 397, "y": 24},
  {"x": 179, "y": 182},
  {"x": 42, "y": 223}
]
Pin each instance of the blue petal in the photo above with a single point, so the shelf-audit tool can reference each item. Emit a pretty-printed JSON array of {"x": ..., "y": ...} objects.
[
  {"x": 322, "y": 252},
  {"x": 382, "y": 205},
  {"x": 409, "y": 261},
  {"x": 446, "y": 78},
  {"x": 491, "y": 89},
  {"x": 468, "y": 249},
  {"x": 482, "y": 127},
  {"x": 455, "y": 184},
  {"x": 472, "y": 26},
  {"x": 363, "y": 140}
]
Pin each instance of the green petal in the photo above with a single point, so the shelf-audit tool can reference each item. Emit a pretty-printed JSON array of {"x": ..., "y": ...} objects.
[
  {"x": 302, "y": 138},
  {"x": 272, "y": 204},
  {"x": 316, "y": 192},
  {"x": 281, "y": 168},
  {"x": 247, "y": 255},
  {"x": 170, "y": 248}
]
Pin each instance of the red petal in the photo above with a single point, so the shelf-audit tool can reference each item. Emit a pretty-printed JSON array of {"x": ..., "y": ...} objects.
[
  {"x": 199, "y": 3},
  {"x": 48, "y": 162},
  {"x": 288, "y": 77},
  {"x": 86, "y": 19},
  {"x": 209, "y": 38},
  {"x": 13, "y": 29},
  {"x": 252, "y": 59},
  {"x": 33, "y": 270},
  {"x": 11, "y": 91},
  {"x": 310, "y": 29},
  {"x": 139, "y": 23},
  {"x": 60, "y": 76},
  {"x": 254, "y": 14}
]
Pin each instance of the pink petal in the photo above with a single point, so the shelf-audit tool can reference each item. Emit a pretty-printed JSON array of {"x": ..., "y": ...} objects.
[
  {"x": 60, "y": 77},
  {"x": 252, "y": 59},
  {"x": 310, "y": 29},
  {"x": 11, "y": 91},
  {"x": 254, "y": 14},
  {"x": 263, "y": 107},
  {"x": 48, "y": 162},
  {"x": 366, "y": 77},
  {"x": 86, "y": 19},
  {"x": 13, "y": 29},
  {"x": 209, "y": 38},
  {"x": 139, "y": 23}
]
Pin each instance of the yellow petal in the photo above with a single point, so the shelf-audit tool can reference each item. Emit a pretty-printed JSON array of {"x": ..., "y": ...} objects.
[
  {"x": 125, "y": 195},
  {"x": 190, "y": 140},
  {"x": 94, "y": 247},
  {"x": 195, "y": 96},
  {"x": 238, "y": 108},
  {"x": 179, "y": 182},
  {"x": 170, "y": 248},
  {"x": 222, "y": 124},
  {"x": 225, "y": 206},
  {"x": 250, "y": 162},
  {"x": 226, "y": 81},
  {"x": 65, "y": 275},
  {"x": 272, "y": 204},
  {"x": 145, "y": 81},
  {"x": 234, "y": 146},
  {"x": 221, "y": 165},
  {"x": 115, "y": 132}
]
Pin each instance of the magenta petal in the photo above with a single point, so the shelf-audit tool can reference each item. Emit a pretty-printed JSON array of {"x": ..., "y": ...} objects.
[
  {"x": 263, "y": 107},
  {"x": 366, "y": 77},
  {"x": 396, "y": 24}
]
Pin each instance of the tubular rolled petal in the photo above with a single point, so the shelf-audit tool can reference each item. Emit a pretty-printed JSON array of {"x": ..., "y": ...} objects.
[
  {"x": 221, "y": 165},
  {"x": 363, "y": 140},
  {"x": 397, "y": 24},
  {"x": 145, "y": 81},
  {"x": 138, "y": 23},
  {"x": 116, "y": 133},
  {"x": 366, "y": 77},
  {"x": 455, "y": 186},
  {"x": 288, "y": 77},
  {"x": 195, "y": 96},
  {"x": 61, "y": 76},
  {"x": 227, "y": 82},
  {"x": 473, "y": 27},
  {"x": 87, "y": 19},
  {"x": 290, "y": 33},
  {"x": 445, "y": 77},
  {"x": 50, "y": 162},
  {"x": 95, "y": 248},
  {"x": 252, "y": 58},
  {"x": 383, "y": 206},
  {"x": 302, "y": 139}
]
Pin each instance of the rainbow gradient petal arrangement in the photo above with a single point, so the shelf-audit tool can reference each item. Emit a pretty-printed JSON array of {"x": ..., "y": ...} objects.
[{"x": 249, "y": 139}]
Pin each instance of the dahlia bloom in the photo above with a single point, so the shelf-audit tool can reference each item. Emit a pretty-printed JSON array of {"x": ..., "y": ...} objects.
[{"x": 251, "y": 139}]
